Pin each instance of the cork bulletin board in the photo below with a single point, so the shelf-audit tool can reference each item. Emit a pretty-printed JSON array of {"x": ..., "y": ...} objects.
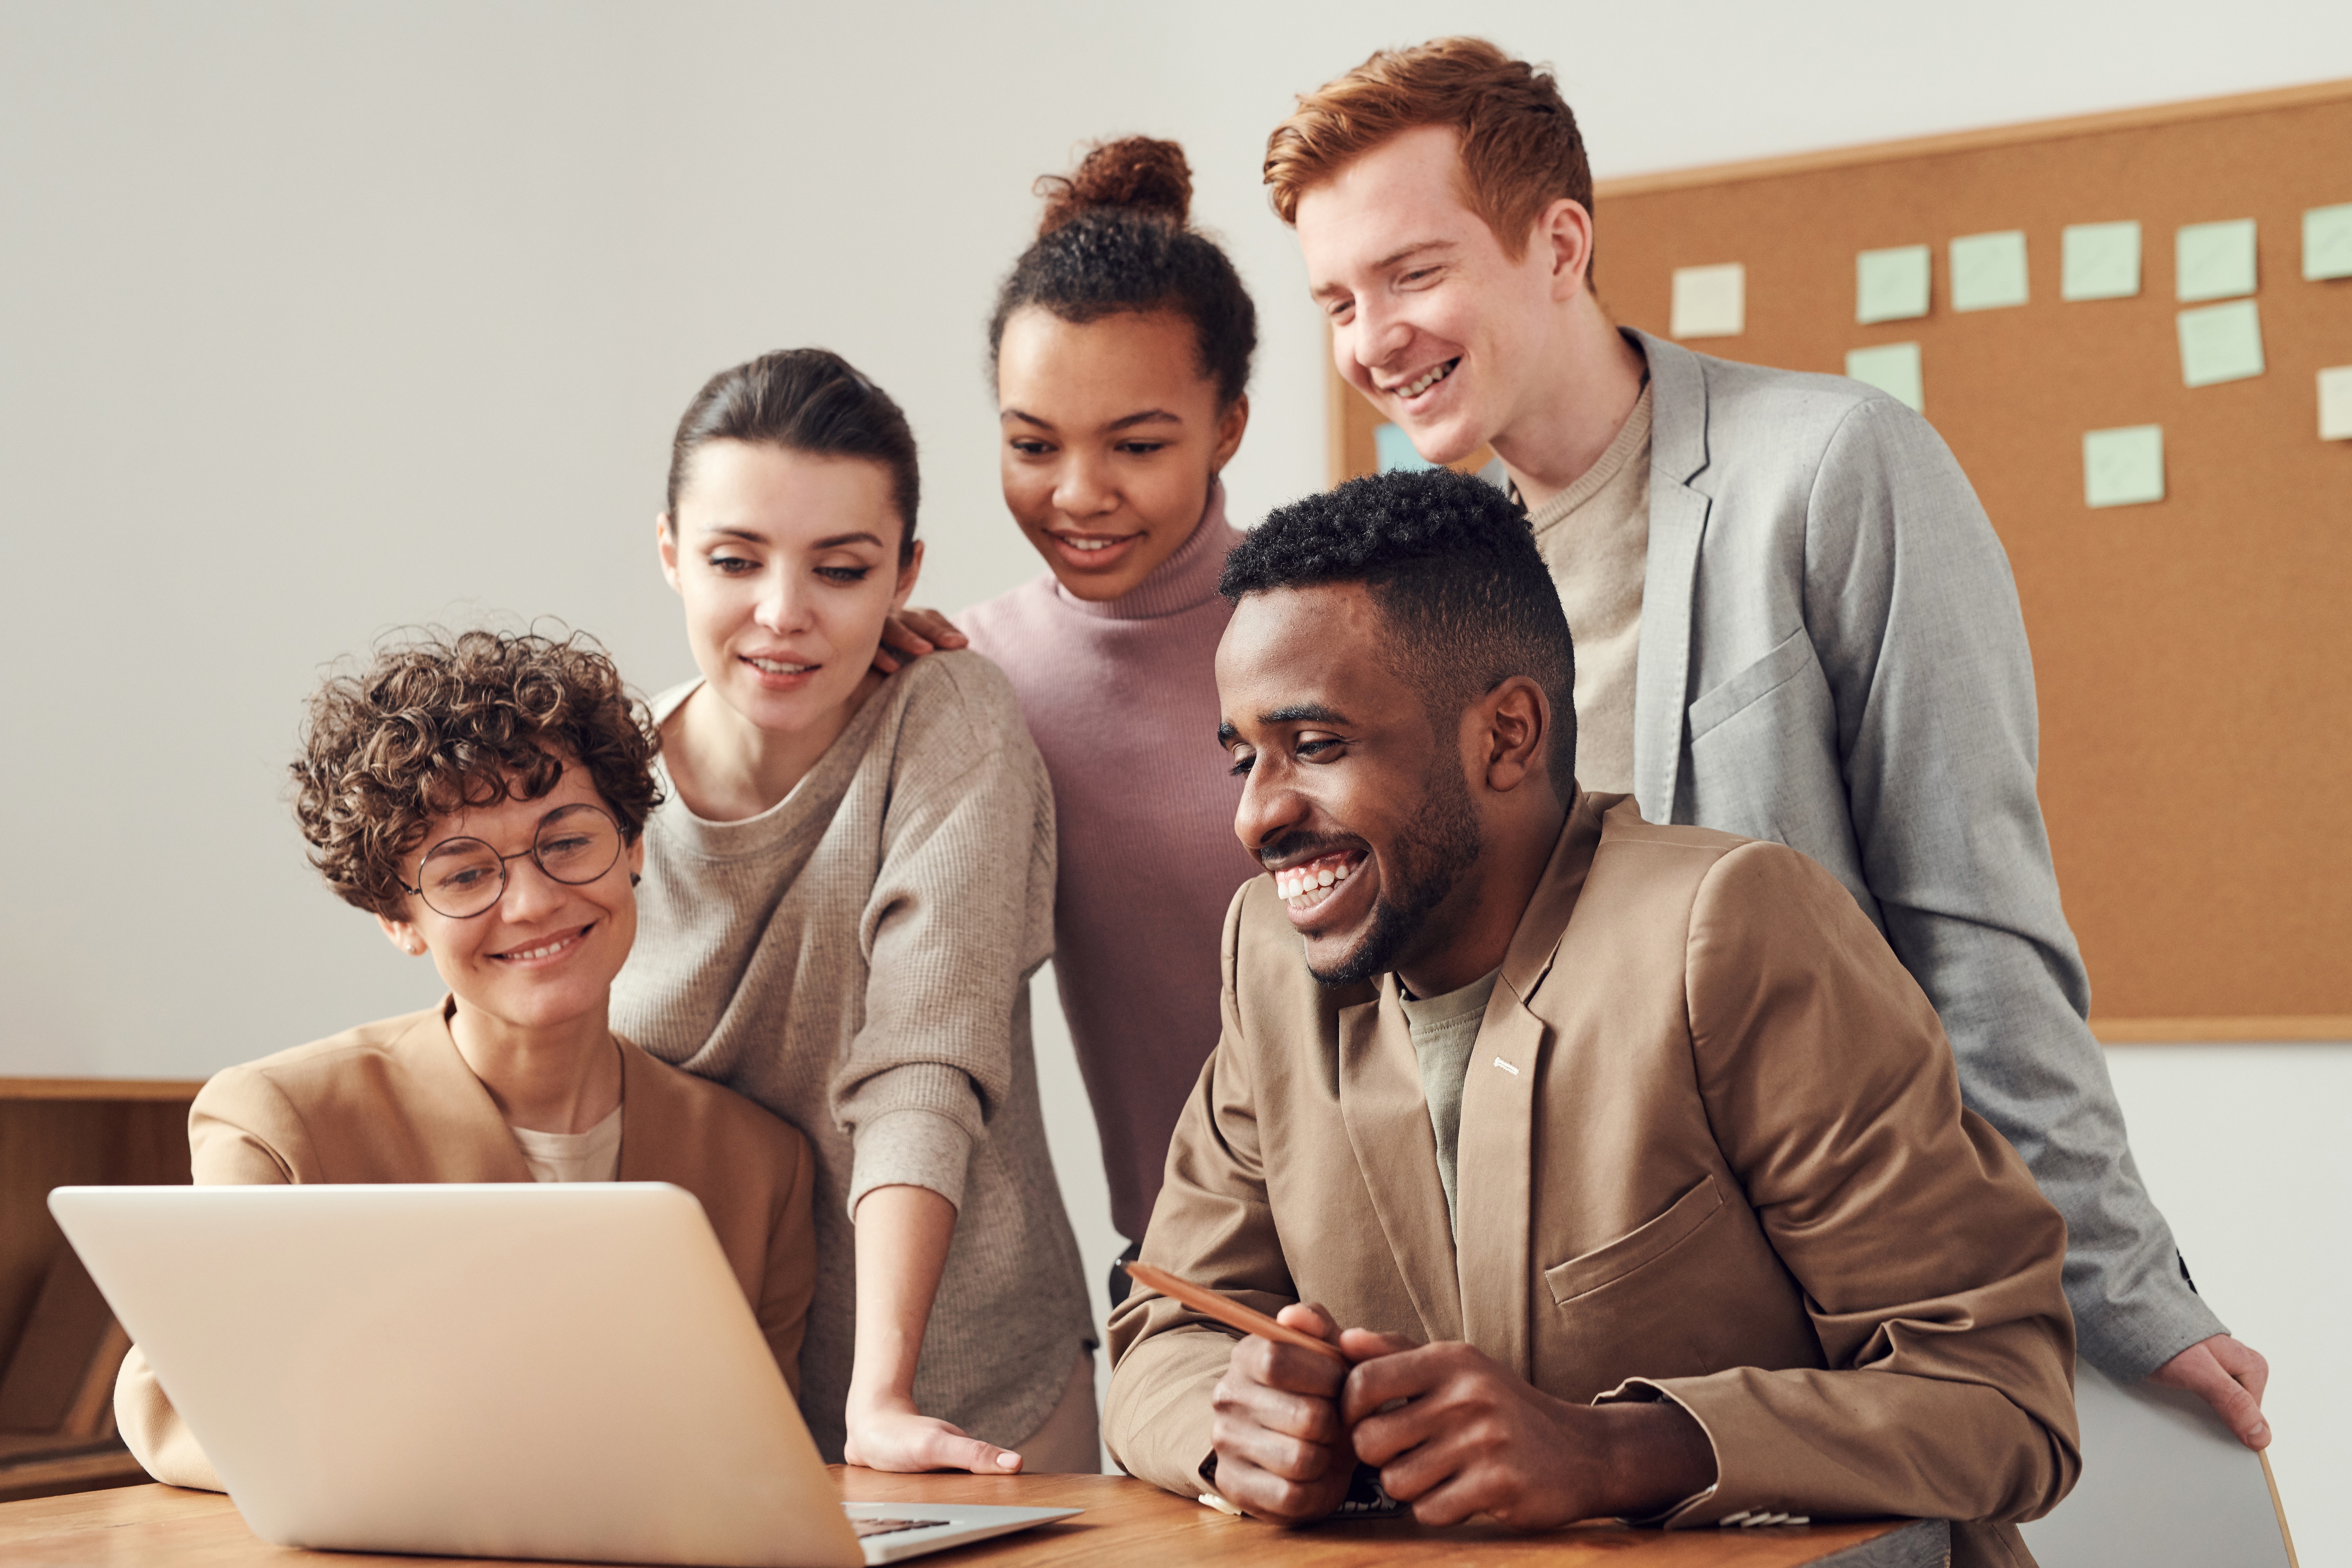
[{"x": 2193, "y": 654}]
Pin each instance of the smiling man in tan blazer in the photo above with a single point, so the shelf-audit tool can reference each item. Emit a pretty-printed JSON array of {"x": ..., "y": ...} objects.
[{"x": 1624, "y": 1162}]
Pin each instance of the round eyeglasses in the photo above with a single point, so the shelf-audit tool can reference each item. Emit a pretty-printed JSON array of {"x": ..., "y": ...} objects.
[{"x": 462, "y": 878}]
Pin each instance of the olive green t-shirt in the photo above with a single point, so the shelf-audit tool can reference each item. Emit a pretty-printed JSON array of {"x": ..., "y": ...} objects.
[{"x": 1444, "y": 1030}]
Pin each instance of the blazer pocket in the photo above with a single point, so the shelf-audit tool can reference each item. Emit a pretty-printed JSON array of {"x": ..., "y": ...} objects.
[
  {"x": 1787, "y": 660},
  {"x": 1636, "y": 1249}
]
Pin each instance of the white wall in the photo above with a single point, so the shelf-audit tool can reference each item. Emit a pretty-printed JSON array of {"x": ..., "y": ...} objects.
[
  {"x": 316, "y": 321},
  {"x": 2243, "y": 1148}
]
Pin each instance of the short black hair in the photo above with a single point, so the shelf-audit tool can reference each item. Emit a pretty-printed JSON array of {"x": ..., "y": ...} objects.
[{"x": 1453, "y": 566}]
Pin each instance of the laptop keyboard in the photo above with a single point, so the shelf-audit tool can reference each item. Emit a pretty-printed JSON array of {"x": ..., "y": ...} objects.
[{"x": 867, "y": 1527}]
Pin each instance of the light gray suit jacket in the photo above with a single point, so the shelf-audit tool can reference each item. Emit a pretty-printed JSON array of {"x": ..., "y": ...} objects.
[{"x": 1832, "y": 654}]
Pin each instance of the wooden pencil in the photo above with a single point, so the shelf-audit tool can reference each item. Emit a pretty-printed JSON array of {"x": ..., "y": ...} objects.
[{"x": 1226, "y": 1310}]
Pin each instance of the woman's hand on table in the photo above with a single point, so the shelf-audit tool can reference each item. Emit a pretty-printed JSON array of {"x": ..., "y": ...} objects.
[{"x": 892, "y": 1435}]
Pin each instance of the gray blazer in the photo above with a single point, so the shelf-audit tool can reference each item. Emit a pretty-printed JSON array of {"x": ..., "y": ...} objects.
[{"x": 1831, "y": 655}]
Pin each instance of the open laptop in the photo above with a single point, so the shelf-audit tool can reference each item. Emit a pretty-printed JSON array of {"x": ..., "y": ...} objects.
[{"x": 565, "y": 1371}]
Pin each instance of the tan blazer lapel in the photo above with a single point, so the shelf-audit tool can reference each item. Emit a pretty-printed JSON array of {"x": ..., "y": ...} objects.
[
  {"x": 1494, "y": 1178},
  {"x": 463, "y": 1137},
  {"x": 1388, "y": 1126},
  {"x": 1494, "y": 1167},
  {"x": 649, "y": 1122}
]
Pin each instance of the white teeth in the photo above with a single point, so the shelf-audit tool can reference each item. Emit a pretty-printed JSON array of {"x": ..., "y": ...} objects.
[
  {"x": 1435, "y": 374},
  {"x": 552, "y": 947},
  {"x": 773, "y": 666},
  {"x": 1300, "y": 882},
  {"x": 1088, "y": 544}
]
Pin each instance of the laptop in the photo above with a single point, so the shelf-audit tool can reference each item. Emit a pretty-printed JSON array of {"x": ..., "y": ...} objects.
[{"x": 564, "y": 1371}]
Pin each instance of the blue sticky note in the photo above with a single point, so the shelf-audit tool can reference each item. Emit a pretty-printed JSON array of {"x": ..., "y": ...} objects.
[
  {"x": 2214, "y": 260},
  {"x": 1396, "y": 450},
  {"x": 2327, "y": 242},
  {"x": 1989, "y": 270},
  {"x": 1893, "y": 368},
  {"x": 2101, "y": 261},
  {"x": 1890, "y": 284},
  {"x": 2123, "y": 467},
  {"x": 2221, "y": 342}
]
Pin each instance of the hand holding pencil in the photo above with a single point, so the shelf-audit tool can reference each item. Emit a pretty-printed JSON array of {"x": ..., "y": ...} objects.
[{"x": 1282, "y": 1450}]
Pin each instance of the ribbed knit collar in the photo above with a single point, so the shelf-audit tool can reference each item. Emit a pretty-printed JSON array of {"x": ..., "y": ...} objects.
[
  {"x": 1183, "y": 581},
  {"x": 1631, "y": 442}
]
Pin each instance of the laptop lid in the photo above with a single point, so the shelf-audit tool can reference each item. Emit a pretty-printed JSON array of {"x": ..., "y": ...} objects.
[{"x": 565, "y": 1371}]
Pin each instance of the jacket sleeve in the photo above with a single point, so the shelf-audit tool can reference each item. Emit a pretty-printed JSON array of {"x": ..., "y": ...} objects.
[
  {"x": 238, "y": 1129},
  {"x": 1945, "y": 1389},
  {"x": 960, "y": 916},
  {"x": 1211, "y": 1225},
  {"x": 1915, "y": 616},
  {"x": 791, "y": 1282}
]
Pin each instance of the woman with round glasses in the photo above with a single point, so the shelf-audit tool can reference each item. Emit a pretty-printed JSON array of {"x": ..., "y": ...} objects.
[
  {"x": 485, "y": 798},
  {"x": 845, "y": 895}
]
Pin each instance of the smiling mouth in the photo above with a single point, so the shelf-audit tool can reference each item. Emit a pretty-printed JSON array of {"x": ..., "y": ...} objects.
[
  {"x": 779, "y": 667},
  {"x": 1309, "y": 883},
  {"x": 547, "y": 949},
  {"x": 1088, "y": 543},
  {"x": 1425, "y": 380}
]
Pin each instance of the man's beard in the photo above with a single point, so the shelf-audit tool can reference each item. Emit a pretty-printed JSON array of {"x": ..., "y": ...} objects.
[{"x": 1420, "y": 871}]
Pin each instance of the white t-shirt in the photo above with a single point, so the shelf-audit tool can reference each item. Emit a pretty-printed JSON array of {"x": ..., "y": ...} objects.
[{"x": 591, "y": 1156}]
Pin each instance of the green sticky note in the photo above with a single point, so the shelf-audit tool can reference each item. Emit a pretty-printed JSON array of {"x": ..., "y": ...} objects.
[
  {"x": 2102, "y": 261},
  {"x": 2214, "y": 260},
  {"x": 2221, "y": 342},
  {"x": 1989, "y": 270},
  {"x": 1893, "y": 368},
  {"x": 2327, "y": 242},
  {"x": 1890, "y": 284},
  {"x": 2123, "y": 467},
  {"x": 1397, "y": 453}
]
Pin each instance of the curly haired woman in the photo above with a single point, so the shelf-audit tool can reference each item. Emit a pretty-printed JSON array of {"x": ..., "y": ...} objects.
[{"x": 485, "y": 798}]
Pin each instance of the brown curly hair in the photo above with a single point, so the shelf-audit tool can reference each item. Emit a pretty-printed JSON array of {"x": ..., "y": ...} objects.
[{"x": 437, "y": 723}]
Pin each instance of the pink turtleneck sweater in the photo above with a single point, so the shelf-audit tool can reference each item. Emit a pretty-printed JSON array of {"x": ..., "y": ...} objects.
[{"x": 1121, "y": 698}]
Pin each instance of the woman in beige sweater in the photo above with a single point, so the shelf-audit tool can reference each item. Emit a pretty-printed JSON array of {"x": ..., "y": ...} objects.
[
  {"x": 844, "y": 898},
  {"x": 484, "y": 799}
]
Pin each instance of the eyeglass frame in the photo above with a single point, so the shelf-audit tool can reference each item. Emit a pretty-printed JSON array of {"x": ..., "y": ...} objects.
[{"x": 620, "y": 844}]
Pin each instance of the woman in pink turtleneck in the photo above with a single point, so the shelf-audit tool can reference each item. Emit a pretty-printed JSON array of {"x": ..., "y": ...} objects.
[{"x": 1122, "y": 342}]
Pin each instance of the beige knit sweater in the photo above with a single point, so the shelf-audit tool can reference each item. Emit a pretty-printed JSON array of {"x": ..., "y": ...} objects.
[{"x": 856, "y": 960}]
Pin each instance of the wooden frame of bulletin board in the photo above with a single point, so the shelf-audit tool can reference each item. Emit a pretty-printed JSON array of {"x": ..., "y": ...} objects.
[{"x": 2193, "y": 655}]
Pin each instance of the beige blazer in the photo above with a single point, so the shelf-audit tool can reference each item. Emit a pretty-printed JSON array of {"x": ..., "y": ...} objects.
[
  {"x": 393, "y": 1102},
  {"x": 1712, "y": 1146}
]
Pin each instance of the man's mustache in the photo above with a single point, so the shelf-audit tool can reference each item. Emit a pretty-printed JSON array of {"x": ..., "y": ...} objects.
[{"x": 1302, "y": 845}]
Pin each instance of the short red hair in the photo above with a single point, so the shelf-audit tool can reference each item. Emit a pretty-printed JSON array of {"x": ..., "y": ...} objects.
[{"x": 1521, "y": 148}]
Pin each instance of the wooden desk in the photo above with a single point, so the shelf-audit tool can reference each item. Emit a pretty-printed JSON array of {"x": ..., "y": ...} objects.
[{"x": 1126, "y": 1522}]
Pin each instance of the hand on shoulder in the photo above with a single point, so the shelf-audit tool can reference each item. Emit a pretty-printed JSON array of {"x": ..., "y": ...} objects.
[{"x": 910, "y": 635}]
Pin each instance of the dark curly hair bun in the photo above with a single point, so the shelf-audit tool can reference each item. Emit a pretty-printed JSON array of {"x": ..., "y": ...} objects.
[
  {"x": 1115, "y": 241},
  {"x": 1134, "y": 173}
]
